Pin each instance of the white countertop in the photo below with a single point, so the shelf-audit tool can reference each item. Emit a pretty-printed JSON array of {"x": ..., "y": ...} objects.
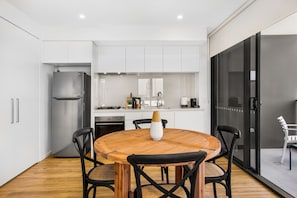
[{"x": 122, "y": 110}]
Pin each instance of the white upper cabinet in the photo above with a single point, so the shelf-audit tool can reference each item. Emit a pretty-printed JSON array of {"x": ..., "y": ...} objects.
[
  {"x": 80, "y": 51},
  {"x": 153, "y": 59},
  {"x": 172, "y": 59},
  {"x": 110, "y": 59},
  {"x": 67, "y": 52},
  {"x": 131, "y": 58},
  {"x": 190, "y": 56},
  {"x": 135, "y": 59},
  {"x": 54, "y": 52}
]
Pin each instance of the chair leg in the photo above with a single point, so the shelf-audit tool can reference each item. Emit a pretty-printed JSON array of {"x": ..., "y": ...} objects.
[
  {"x": 167, "y": 174},
  {"x": 284, "y": 152},
  {"x": 162, "y": 173},
  {"x": 94, "y": 192},
  {"x": 164, "y": 170},
  {"x": 214, "y": 189},
  {"x": 290, "y": 157},
  {"x": 85, "y": 190}
]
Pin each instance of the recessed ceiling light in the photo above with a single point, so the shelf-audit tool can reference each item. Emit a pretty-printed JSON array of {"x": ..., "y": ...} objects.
[
  {"x": 82, "y": 16},
  {"x": 180, "y": 17}
]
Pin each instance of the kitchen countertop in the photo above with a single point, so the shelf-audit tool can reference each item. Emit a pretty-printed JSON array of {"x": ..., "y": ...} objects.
[{"x": 123, "y": 110}]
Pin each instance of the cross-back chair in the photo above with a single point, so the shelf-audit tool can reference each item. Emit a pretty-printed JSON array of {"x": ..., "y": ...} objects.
[
  {"x": 140, "y": 123},
  {"x": 215, "y": 173},
  {"x": 99, "y": 174},
  {"x": 155, "y": 189}
]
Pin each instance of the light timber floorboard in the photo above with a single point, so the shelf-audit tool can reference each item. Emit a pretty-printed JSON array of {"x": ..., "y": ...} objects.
[{"x": 61, "y": 177}]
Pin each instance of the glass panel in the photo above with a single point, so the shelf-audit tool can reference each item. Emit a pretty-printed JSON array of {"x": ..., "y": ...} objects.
[
  {"x": 278, "y": 97},
  {"x": 230, "y": 92},
  {"x": 157, "y": 86}
]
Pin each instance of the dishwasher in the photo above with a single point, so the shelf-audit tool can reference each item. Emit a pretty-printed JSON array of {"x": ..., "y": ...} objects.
[{"x": 108, "y": 124}]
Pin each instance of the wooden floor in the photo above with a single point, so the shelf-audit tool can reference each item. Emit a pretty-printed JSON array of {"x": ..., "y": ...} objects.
[{"x": 61, "y": 178}]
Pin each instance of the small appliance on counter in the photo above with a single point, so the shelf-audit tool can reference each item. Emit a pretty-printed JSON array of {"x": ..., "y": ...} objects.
[
  {"x": 194, "y": 103},
  {"x": 184, "y": 101},
  {"x": 133, "y": 102}
]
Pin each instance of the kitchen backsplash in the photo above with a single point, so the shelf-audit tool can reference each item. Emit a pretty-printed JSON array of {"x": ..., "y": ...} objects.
[{"x": 113, "y": 89}]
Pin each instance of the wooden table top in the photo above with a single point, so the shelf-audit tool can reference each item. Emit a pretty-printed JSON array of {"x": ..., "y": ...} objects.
[{"x": 117, "y": 146}]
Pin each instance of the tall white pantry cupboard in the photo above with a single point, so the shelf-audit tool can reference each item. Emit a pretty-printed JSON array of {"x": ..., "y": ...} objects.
[{"x": 19, "y": 67}]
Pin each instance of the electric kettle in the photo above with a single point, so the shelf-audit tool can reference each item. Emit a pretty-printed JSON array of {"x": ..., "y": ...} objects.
[{"x": 184, "y": 101}]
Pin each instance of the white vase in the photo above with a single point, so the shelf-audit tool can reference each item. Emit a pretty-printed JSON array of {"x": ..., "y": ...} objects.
[{"x": 156, "y": 130}]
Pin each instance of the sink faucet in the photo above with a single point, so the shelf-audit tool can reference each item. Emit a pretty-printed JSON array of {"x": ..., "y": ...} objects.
[{"x": 159, "y": 99}]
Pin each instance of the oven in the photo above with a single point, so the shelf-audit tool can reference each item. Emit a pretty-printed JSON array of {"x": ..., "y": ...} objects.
[{"x": 108, "y": 124}]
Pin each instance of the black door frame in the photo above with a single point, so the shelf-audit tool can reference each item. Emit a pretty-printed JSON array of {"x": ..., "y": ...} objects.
[{"x": 246, "y": 163}]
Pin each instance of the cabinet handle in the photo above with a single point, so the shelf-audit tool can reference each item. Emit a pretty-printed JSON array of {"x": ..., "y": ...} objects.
[
  {"x": 12, "y": 110},
  {"x": 18, "y": 110}
]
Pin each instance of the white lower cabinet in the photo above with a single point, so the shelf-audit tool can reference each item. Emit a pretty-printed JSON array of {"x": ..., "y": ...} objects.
[
  {"x": 191, "y": 120},
  {"x": 20, "y": 61},
  {"x": 129, "y": 117},
  {"x": 187, "y": 119}
]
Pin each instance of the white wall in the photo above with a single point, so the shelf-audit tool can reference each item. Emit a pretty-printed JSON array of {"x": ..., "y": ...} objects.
[
  {"x": 45, "y": 87},
  {"x": 19, "y": 19},
  {"x": 258, "y": 16}
]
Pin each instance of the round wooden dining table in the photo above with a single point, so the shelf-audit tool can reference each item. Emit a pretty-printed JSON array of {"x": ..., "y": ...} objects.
[{"x": 117, "y": 146}]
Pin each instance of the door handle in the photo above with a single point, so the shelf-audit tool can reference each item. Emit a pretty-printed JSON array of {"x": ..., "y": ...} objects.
[
  {"x": 12, "y": 110},
  {"x": 18, "y": 110},
  {"x": 253, "y": 103}
]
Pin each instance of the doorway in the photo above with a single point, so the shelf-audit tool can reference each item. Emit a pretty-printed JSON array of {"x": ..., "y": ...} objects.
[
  {"x": 260, "y": 68},
  {"x": 235, "y": 96}
]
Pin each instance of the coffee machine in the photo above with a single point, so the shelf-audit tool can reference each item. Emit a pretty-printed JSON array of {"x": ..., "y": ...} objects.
[{"x": 194, "y": 103}]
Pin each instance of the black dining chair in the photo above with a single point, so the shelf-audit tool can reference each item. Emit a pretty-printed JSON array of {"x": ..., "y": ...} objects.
[
  {"x": 138, "y": 123},
  {"x": 99, "y": 174},
  {"x": 142, "y": 122},
  {"x": 215, "y": 173},
  {"x": 152, "y": 188}
]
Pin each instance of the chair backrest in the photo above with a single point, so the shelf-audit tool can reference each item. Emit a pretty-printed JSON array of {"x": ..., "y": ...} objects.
[
  {"x": 83, "y": 139},
  {"x": 228, "y": 136},
  {"x": 283, "y": 124},
  {"x": 138, "y": 161},
  {"x": 139, "y": 122}
]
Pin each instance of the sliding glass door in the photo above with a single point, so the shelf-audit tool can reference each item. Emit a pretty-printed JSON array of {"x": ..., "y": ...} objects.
[{"x": 234, "y": 97}]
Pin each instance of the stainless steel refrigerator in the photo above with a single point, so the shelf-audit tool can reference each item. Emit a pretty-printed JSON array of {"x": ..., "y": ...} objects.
[{"x": 70, "y": 110}]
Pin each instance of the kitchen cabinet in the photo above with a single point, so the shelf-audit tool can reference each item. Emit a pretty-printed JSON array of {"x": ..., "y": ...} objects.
[
  {"x": 190, "y": 57},
  {"x": 67, "y": 52},
  {"x": 183, "y": 119},
  {"x": 148, "y": 58},
  {"x": 172, "y": 59},
  {"x": 191, "y": 120},
  {"x": 153, "y": 59},
  {"x": 129, "y": 117},
  {"x": 110, "y": 59},
  {"x": 167, "y": 115},
  {"x": 134, "y": 59},
  {"x": 20, "y": 61}
]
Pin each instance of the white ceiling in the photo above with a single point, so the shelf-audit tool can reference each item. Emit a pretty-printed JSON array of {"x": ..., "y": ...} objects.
[{"x": 206, "y": 14}]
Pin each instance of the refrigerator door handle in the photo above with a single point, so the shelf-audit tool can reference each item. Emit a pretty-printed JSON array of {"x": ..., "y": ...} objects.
[
  {"x": 108, "y": 123},
  {"x": 72, "y": 98},
  {"x": 12, "y": 110},
  {"x": 18, "y": 110}
]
